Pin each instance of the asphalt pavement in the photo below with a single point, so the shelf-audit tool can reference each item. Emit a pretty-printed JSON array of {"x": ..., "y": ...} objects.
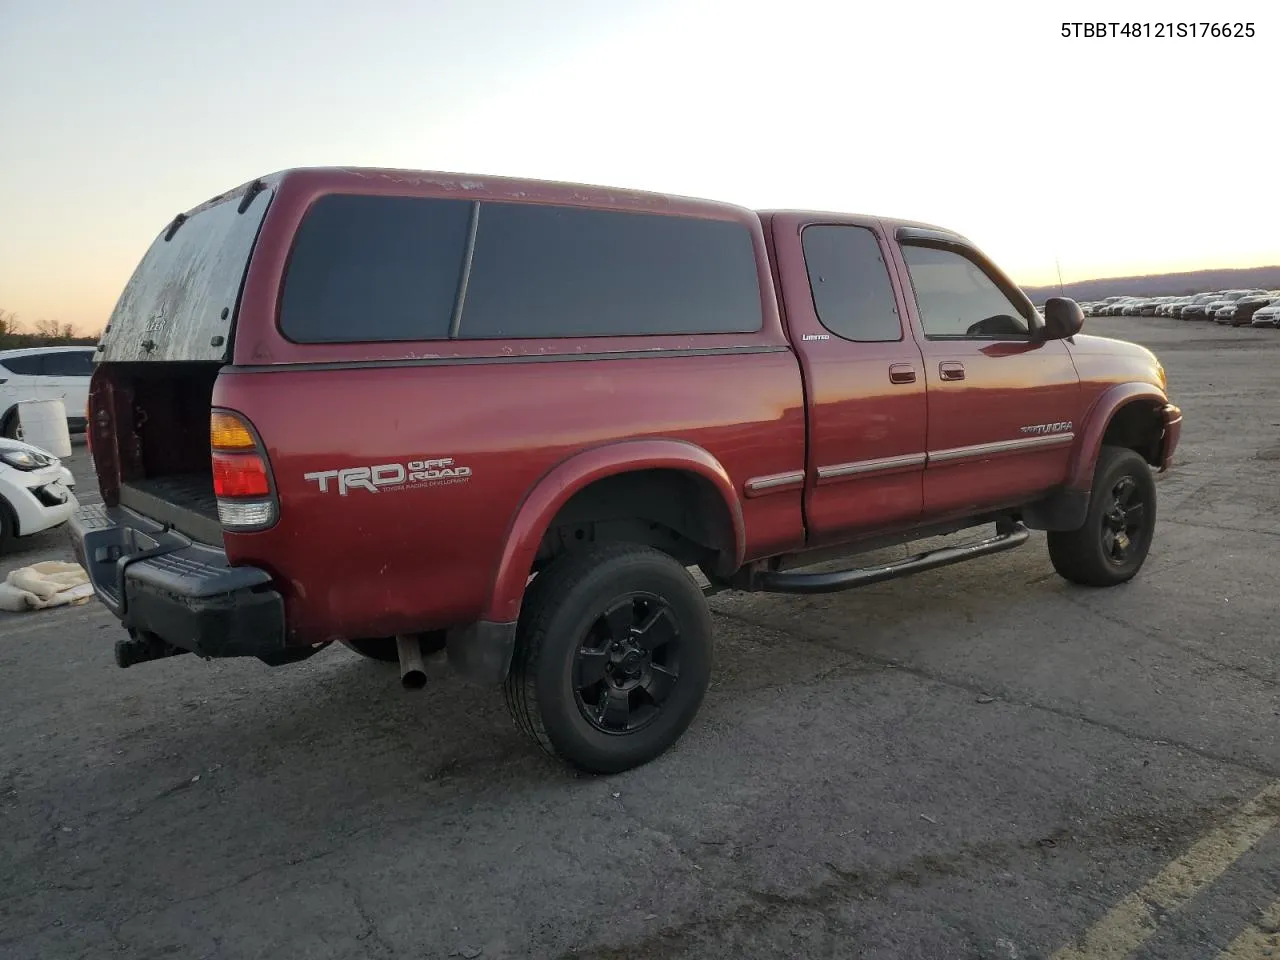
[{"x": 978, "y": 762}]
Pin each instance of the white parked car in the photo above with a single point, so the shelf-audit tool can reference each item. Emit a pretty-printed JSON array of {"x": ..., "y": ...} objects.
[
  {"x": 1267, "y": 316},
  {"x": 36, "y": 491},
  {"x": 44, "y": 373}
]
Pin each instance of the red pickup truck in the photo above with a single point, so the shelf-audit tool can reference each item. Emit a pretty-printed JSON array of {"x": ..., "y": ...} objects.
[{"x": 414, "y": 412}]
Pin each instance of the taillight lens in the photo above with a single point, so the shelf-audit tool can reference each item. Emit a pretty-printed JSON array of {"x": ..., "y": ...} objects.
[
  {"x": 239, "y": 475},
  {"x": 241, "y": 480}
]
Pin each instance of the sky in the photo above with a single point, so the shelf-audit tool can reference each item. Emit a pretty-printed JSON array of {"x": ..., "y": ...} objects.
[{"x": 1107, "y": 157}]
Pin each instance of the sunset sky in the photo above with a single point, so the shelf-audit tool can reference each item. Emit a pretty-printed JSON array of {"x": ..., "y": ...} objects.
[{"x": 1117, "y": 156}]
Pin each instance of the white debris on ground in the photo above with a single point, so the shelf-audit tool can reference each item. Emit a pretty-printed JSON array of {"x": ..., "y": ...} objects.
[{"x": 40, "y": 586}]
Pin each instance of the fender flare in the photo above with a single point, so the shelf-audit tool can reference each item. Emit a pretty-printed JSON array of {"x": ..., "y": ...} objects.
[
  {"x": 1097, "y": 419},
  {"x": 553, "y": 490}
]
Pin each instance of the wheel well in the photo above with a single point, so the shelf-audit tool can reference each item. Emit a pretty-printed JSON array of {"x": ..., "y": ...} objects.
[
  {"x": 1138, "y": 426},
  {"x": 675, "y": 511}
]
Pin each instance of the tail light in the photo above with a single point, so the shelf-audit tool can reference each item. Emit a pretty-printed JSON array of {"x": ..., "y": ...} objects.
[{"x": 241, "y": 478}]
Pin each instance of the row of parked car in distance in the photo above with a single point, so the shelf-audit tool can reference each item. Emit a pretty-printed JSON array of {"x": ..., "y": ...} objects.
[{"x": 1236, "y": 308}]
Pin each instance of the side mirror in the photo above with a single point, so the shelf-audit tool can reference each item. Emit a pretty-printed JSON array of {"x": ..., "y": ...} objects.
[{"x": 1063, "y": 319}]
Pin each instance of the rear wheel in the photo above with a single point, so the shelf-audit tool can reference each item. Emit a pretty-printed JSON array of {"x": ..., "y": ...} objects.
[
  {"x": 613, "y": 657},
  {"x": 1113, "y": 544}
]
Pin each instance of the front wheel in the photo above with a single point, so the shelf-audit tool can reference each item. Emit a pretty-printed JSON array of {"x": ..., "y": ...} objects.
[
  {"x": 613, "y": 656},
  {"x": 1113, "y": 544}
]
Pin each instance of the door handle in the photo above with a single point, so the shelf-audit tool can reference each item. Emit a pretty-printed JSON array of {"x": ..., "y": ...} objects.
[
  {"x": 951, "y": 370},
  {"x": 902, "y": 373}
]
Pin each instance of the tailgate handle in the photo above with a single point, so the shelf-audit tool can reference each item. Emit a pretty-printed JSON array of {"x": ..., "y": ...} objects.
[
  {"x": 951, "y": 370},
  {"x": 902, "y": 373}
]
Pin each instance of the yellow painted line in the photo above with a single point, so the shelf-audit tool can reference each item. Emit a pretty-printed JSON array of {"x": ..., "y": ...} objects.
[
  {"x": 1258, "y": 941},
  {"x": 1132, "y": 921}
]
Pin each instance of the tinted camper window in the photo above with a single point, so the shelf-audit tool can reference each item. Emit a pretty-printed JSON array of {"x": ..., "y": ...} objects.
[
  {"x": 548, "y": 271},
  {"x": 375, "y": 268}
]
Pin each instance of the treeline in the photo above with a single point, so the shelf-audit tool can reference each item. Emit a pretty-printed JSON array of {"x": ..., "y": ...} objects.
[{"x": 45, "y": 333}]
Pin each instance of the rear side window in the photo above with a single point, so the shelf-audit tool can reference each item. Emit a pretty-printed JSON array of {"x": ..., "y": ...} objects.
[
  {"x": 30, "y": 365},
  {"x": 375, "y": 268},
  {"x": 850, "y": 282},
  {"x": 68, "y": 363},
  {"x": 547, "y": 271}
]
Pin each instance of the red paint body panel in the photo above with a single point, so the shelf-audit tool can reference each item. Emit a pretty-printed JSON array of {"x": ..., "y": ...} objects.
[
  {"x": 1113, "y": 373},
  {"x": 376, "y": 564},
  {"x": 258, "y": 339},
  {"x": 856, "y": 413},
  {"x": 1007, "y": 385}
]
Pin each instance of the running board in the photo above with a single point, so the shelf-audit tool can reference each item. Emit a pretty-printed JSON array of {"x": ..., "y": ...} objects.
[{"x": 779, "y": 582}]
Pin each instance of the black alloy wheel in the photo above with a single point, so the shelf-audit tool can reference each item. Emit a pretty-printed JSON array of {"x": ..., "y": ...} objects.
[
  {"x": 628, "y": 664},
  {"x": 613, "y": 656}
]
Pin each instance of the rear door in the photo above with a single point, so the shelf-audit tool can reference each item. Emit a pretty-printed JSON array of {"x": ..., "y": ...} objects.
[
  {"x": 19, "y": 379},
  {"x": 65, "y": 375},
  {"x": 1003, "y": 407},
  {"x": 864, "y": 381}
]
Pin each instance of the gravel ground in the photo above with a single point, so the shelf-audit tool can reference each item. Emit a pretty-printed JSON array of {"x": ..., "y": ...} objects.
[{"x": 982, "y": 761}]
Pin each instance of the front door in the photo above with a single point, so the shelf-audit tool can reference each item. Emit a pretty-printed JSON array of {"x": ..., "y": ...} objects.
[
  {"x": 863, "y": 377},
  {"x": 1003, "y": 406}
]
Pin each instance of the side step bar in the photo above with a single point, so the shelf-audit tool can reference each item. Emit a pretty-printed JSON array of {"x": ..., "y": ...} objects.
[{"x": 775, "y": 581}]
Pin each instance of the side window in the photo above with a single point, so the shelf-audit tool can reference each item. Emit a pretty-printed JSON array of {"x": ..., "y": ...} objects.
[
  {"x": 68, "y": 363},
  {"x": 552, "y": 271},
  {"x": 850, "y": 282},
  {"x": 956, "y": 298},
  {"x": 27, "y": 365},
  {"x": 374, "y": 269}
]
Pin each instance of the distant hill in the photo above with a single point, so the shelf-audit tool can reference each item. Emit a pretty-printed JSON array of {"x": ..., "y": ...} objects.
[{"x": 1162, "y": 285}]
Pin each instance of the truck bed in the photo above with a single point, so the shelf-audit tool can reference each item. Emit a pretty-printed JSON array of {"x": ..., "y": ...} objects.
[{"x": 184, "y": 500}]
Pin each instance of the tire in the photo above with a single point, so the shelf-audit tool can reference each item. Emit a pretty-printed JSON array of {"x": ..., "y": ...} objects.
[
  {"x": 11, "y": 429},
  {"x": 8, "y": 529},
  {"x": 383, "y": 649},
  {"x": 1113, "y": 544},
  {"x": 613, "y": 657}
]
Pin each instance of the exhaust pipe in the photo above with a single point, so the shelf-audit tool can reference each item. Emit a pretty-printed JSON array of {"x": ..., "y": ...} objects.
[{"x": 413, "y": 673}]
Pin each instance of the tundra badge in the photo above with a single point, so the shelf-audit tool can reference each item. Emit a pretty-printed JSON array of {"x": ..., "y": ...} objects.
[{"x": 1062, "y": 426}]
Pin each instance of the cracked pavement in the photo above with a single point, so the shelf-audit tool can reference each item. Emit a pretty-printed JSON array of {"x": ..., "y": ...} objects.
[{"x": 981, "y": 761}]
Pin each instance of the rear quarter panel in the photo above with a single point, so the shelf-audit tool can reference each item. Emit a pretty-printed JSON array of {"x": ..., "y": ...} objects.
[{"x": 424, "y": 555}]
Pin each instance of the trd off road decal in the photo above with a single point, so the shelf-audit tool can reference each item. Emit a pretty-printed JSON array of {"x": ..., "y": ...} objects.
[{"x": 386, "y": 477}]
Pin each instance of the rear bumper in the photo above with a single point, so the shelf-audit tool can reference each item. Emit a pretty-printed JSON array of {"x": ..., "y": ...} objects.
[
  {"x": 163, "y": 585},
  {"x": 1172, "y": 432}
]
